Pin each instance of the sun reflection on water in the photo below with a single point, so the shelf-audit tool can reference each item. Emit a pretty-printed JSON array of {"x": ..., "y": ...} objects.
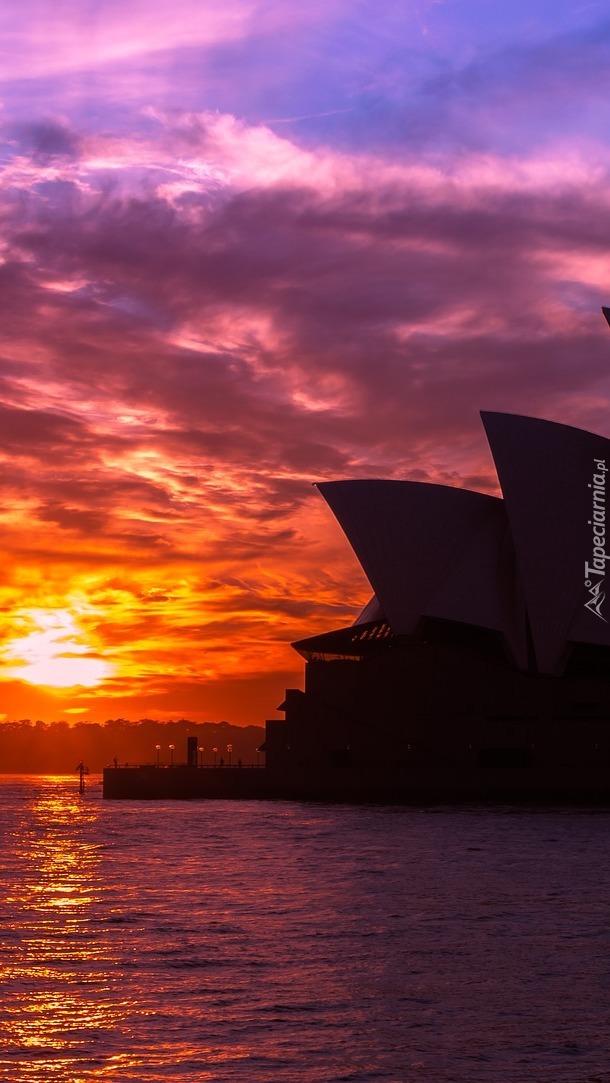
[{"x": 60, "y": 977}]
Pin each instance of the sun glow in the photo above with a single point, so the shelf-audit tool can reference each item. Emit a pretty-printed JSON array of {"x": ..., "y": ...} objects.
[{"x": 54, "y": 654}]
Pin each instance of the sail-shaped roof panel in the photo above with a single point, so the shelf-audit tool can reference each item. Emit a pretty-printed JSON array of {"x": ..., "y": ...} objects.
[
  {"x": 484, "y": 589},
  {"x": 371, "y": 611},
  {"x": 553, "y": 481},
  {"x": 411, "y": 537}
]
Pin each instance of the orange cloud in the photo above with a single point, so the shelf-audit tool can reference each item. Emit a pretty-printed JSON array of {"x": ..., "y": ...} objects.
[{"x": 188, "y": 341}]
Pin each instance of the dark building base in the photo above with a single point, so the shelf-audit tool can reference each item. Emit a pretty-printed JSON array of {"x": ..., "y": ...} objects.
[{"x": 491, "y": 785}]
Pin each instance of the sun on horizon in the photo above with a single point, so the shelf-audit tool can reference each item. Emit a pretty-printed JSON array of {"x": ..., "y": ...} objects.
[{"x": 55, "y": 653}]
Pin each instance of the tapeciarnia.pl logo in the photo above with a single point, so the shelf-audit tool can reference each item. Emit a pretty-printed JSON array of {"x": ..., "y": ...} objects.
[{"x": 595, "y": 572}]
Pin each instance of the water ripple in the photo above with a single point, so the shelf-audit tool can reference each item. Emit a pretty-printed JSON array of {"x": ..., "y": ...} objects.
[{"x": 286, "y": 943}]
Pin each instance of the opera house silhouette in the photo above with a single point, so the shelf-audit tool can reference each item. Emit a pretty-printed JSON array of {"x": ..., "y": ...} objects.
[{"x": 480, "y": 667}]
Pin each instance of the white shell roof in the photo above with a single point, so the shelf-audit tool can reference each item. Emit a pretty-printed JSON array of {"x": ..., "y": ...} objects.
[
  {"x": 433, "y": 550},
  {"x": 546, "y": 471},
  {"x": 372, "y": 611},
  {"x": 430, "y": 550}
]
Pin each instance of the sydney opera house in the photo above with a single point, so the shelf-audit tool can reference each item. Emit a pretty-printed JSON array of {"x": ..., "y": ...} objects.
[
  {"x": 480, "y": 667},
  {"x": 481, "y": 663}
]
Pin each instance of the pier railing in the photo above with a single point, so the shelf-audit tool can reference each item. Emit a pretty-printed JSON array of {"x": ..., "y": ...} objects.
[{"x": 189, "y": 766}]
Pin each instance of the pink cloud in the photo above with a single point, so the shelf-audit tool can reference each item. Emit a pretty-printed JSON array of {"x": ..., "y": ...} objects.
[{"x": 180, "y": 359}]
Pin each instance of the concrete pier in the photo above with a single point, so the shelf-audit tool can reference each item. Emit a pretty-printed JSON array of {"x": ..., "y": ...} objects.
[{"x": 439, "y": 785}]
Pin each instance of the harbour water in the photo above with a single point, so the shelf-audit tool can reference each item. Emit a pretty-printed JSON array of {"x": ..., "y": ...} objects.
[{"x": 300, "y": 943}]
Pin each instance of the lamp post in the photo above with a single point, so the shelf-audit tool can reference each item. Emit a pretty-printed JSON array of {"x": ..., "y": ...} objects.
[
  {"x": 200, "y": 751},
  {"x": 214, "y": 750},
  {"x": 229, "y": 751},
  {"x": 158, "y": 748},
  {"x": 171, "y": 755}
]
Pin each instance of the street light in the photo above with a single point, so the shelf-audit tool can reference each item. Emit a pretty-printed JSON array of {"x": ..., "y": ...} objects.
[
  {"x": 171, "y": 755},
  {"x": 214, "y": 750},
  {"x": 200, "y": 751},
  {"x": 229, "y": 751},
  {"x": 158, "y": 748}
]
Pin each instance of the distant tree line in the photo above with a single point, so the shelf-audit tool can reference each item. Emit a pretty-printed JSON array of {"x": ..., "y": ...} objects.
[{"x": 35, "y": 747}]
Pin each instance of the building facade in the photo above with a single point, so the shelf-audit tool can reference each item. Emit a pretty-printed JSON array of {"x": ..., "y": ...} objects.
[{"x": 486, "y": 644}]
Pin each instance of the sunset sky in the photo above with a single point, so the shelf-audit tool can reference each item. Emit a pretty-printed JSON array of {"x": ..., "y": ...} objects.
[{"x": 251, "y": 246}]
